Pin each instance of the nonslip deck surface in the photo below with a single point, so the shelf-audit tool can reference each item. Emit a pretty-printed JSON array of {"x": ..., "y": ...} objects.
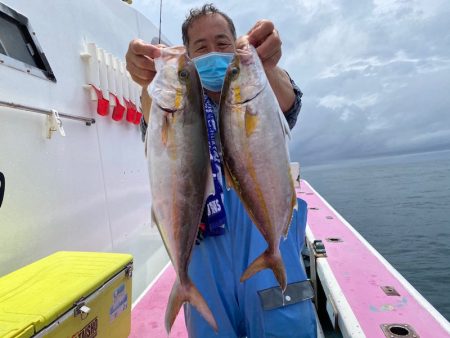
[{"x": 147, "y": 317}]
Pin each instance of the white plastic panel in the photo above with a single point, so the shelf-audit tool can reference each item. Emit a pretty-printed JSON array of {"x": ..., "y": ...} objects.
[
  {"x": 103, "y": 72},
  {"x": 118, "y": 78},
  {"x": 93, "y": 72},
  {"x": 124, "y": 79},
  {"x": 111, "y": 78},
  {"x": 54, "y": 197},
  {"x": 89, "y": 190}
]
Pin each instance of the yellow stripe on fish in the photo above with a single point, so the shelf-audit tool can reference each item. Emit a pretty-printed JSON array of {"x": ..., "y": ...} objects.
[
  {"x": 178, "y": 98},
  {"x": 237, "y": 94},
  {"x": 251, "y": 121}
]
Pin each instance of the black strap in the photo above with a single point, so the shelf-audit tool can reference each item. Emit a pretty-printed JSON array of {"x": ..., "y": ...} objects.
[{"x": 2, "y": 187}]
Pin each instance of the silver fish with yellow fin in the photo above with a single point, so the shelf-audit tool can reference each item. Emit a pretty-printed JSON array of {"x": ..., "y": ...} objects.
[
  {"x": 256, "y": 161},
  {"x": 178, "y": 157}
]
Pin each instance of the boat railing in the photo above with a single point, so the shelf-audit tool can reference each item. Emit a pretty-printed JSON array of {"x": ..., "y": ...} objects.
[{"x": 88, "y": 121}]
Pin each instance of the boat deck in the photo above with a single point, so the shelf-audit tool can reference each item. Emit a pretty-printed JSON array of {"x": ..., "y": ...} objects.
[
  {"x": 352, "y": 276},
  {"x": 147, "y": 317}
]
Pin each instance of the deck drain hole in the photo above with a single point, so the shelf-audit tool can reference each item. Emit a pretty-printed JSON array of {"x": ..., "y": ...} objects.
[
  {"x": 395, "y": 330},
  {"x": 399, "y": 331},
  {"x": 390, "y": 290}
]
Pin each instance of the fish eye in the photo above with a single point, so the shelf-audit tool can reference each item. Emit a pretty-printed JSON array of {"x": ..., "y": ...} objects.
[
  {"x": 234, "y": 72},
  {"x": 183, "y": 75}
]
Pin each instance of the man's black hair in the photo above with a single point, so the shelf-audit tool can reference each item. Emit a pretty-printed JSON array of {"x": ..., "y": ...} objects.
[{"x": 196, "y": 13}]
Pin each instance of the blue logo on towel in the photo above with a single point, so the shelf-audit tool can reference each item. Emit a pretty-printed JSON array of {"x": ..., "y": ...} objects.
[{"x": 214, "y": 214}]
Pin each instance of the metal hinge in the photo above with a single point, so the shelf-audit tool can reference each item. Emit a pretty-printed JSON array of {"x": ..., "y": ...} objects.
[
  {"x": 319, "y": 248},
  {"x": 129, "y": 270},
  {"x": 81, "y": 309}
]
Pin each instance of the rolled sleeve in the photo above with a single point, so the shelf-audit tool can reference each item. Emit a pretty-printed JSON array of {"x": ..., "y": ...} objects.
[{"x": 292, "y": 114}]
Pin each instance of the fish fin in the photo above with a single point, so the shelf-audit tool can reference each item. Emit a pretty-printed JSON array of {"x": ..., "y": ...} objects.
[
  {"x": 229, "y": 183},
  {"x": 145, "y": 143},
  {"x": 146, "y": 102},
  {"x": 176, "y": 300},
  {"x": 294, "y": 206},
  {"x": 162, "y": 232},
  {"x": 187, "y": 293},
  {"x": 165, "y": 130},
  {"x": 295, "y": 202},
  {"x": 286, "y": 228},
  {"x": 251, "y": 121},
  {"x": 271, "y": 261},
  {"x": 197, "y": 301}
]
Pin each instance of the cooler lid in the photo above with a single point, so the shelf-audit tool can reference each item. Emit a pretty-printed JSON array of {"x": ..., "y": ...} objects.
[{"x": 34, "y": 296}]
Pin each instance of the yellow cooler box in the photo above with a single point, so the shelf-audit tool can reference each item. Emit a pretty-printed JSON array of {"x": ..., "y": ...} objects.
[{"x": 68, "y": 294}]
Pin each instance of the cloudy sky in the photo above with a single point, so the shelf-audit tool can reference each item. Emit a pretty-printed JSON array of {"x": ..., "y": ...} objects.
[{"x": 375, "y": 73}]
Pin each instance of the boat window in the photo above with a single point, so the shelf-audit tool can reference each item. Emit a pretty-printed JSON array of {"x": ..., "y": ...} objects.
[{"x": 18, "y": 42}]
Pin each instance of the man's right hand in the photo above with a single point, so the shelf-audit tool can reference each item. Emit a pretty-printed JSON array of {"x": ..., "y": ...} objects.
[{"x": 140, "y": 61}]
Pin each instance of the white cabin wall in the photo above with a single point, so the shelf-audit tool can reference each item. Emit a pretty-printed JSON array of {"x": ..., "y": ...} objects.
[
  {"x": 54, "y": 198},
  {"x": 88, "y": 190}
]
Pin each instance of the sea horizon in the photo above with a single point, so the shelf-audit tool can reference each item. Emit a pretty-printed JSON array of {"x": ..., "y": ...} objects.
[{"x": 349, "y": 160}]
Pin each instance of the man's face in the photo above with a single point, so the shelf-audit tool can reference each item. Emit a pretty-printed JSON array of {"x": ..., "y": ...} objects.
[{"x": 210, "y": 33}]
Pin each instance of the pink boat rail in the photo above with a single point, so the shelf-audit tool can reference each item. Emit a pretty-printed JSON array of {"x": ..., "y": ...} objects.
[{"x": 361, "y": 273}]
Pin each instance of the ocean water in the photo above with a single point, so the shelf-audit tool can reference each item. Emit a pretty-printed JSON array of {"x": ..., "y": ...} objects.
[{"x": 401, "y": 205}]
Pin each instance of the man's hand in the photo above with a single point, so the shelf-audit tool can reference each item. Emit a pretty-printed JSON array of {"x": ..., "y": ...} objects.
[
  {"x": 267, "y": 42},
  {"x": 140, "y": 61},
  {"x": 264, "y": 37}
]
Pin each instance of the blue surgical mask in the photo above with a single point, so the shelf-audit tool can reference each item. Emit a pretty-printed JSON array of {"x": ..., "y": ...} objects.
[{"x": 212, "y": 68}]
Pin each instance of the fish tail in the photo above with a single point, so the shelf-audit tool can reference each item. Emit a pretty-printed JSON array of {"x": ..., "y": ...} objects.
[
  {"x": 268, "y": 260},
  {"x": 187, "y": 293}
]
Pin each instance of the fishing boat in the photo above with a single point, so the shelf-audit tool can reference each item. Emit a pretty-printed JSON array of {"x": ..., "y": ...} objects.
[{"x": 75, "y": 196}]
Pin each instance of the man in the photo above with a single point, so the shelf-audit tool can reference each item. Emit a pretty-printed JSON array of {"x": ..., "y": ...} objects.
[{"x": 218, "y": 262}]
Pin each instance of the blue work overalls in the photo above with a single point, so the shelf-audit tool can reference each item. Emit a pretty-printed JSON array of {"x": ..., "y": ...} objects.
[{"x": 217, "y": 265}]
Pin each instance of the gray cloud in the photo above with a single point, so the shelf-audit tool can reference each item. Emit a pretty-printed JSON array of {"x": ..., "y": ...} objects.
[{"x": 375, "y": 74}]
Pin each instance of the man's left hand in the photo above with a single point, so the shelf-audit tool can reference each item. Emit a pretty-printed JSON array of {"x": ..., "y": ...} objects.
[{"x": 267, "y": 42}]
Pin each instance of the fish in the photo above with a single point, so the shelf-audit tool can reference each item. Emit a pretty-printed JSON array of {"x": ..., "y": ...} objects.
[
  {"x": 256, "y": 161},
  {"x": 178, "y": 162}
]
